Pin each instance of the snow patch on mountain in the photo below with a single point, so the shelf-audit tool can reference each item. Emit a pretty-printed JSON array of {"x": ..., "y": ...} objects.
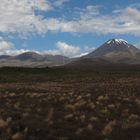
[{"x": 117, "y": 42}]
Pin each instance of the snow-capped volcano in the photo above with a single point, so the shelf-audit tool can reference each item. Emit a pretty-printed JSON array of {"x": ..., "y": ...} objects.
[
  {"x": 116, "y": 49},
  {"x": 117, "y": 41}
]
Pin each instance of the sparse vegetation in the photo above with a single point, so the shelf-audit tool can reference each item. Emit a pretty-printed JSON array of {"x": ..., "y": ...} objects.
[{"x": 68, "y": 104}]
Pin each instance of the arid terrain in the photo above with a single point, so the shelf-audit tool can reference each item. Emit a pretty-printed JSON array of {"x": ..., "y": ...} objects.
[{"x": 69, "y": 104}]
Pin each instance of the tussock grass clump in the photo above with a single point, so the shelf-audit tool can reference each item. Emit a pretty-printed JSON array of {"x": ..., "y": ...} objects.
[
  {"x": 79, "y": 104},
  {"x": 89, "y": 127},
  {"x": 18, "y": 136},
  {"x": 69, "y": 116},
  {"x": 9, "y": 120},
  {"x": 82, "y": 117},
  {"x": 137, "y": 101},
  {"x": 104, "y": 111},
  {"x": 109, "y": 128},
  {"x": 94, "y": 119},
  {"x": 70, "y": 107},
  {"x": 79, "y": 131},
  {"x": 3, "y": 124},
  {"x": 102, "y": 98},
  {"x": 111, "y": 106},
  {"x": 17, "y": 105},
  {"x": 91, "y": 105},
  {"x": 133, "y": 121},
  {"x": 50, "y": 116}
]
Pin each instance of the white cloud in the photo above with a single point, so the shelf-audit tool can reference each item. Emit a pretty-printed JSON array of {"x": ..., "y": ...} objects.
[
  {"x": 65, "y": 49},
  {"x": 19, "y": 16},
  {"x": 68, "y": 50},
  {"x": 85, "y": 51},
  {"x": 90, "y": 20},
  {"x": 4, "y": 45},
  {"x": 8, "y": 48},
  {"x": 22, "y": 17}
]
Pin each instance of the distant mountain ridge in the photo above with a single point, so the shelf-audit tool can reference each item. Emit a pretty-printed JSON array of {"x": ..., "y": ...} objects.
[
  {"x": 33, "y": 59},
  {"x": 114, "y": 51}
]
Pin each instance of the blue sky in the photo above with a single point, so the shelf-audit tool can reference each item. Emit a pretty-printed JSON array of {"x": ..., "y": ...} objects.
[{"x": 67, "y": 27}]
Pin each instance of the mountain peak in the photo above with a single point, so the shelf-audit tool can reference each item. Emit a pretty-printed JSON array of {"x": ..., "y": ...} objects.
[
  {"x": 117, "y": 41},
  {"x": 117, "y": 49}
]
